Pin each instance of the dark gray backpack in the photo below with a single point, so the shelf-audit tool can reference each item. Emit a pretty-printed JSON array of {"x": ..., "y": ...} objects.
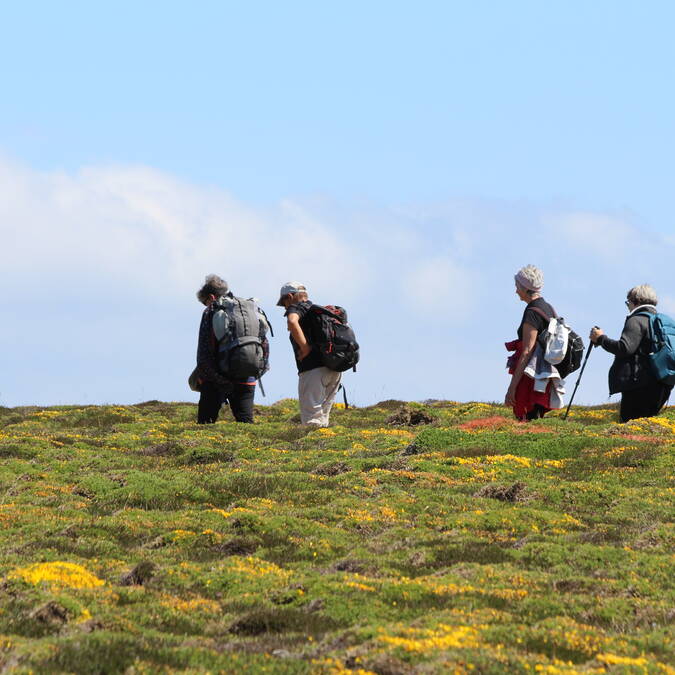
[{"x": 240, "y": 328}]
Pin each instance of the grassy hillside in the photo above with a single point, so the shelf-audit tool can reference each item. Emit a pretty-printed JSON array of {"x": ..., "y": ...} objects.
[{"x": 133, "y": 540}]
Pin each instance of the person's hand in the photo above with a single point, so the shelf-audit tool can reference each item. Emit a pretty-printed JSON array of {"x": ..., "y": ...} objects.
[
  {"x": 303, "y": 351},
  {"x": 595, "y": 335}
]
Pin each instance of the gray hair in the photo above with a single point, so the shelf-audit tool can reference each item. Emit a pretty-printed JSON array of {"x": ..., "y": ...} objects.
[
  {"x": 530, "y": 278},
  {"x": 213, "y": 285},
  {"x": 643, "y": 294}
]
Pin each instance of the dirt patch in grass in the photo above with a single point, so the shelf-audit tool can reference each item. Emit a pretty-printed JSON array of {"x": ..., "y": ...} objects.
[
  {"x": 331, "y": 469},
  {"x": 208, "y": 456},
  {"x": 282, "y": 620},
  {"x": 50, "y": 615},
  {"x": 397, "y": 463},
  {"x": 238, "y": 546},
  {"x": 139, "y": 575},
  {"x": 469, "y": 451},
  {"x": 516, "y": 492},
  {"x": 409, "y": 417},
  {"x": 411, "y": 449},
  {"x": 168, "y": 449},
  {"x": 351, "y": 566},
  {"x": 480, "y": 552}
]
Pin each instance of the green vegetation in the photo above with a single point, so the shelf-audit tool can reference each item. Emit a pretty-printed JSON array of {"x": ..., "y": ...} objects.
[{"x": 133, "y": 540}]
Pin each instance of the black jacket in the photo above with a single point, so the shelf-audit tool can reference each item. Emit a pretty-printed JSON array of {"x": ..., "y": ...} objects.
[{"x": 630, "y": 369}]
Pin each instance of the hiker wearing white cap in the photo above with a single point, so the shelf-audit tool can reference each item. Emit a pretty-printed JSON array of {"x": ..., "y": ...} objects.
[
  {"x": 527, "y": 402},
  {"x": 317, "y": 385}
]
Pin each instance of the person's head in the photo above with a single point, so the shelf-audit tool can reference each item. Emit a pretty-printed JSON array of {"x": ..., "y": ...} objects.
[
  {"x": 641, "y": 295},
  {"x": 214, "y": 287},
  {"x": 529, "y": 283},
  {"x": 292, "y": 292}
]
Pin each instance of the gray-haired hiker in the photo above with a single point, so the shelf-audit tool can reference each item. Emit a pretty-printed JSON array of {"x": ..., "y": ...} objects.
[
  {"x": 232, "y": 352},
  {"x": 642, "y": 395},
  {"x": 317, "y": 385}
]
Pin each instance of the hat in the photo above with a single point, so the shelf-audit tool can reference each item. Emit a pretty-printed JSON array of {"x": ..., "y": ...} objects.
[
  {"x": 290, "y": 287},
  {"x": 531, "y": 278}
]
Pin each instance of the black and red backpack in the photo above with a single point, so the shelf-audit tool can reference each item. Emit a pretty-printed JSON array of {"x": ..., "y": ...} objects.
[{"x": 334, "y": 338}]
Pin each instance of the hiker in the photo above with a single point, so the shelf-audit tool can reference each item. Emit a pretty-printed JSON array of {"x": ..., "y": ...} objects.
[
  {"x": 535, "y": 387},
  {"x": 209, "y": 378},
  {"x": 317, "y": 385},
  {"x": 642, "y": 395}
]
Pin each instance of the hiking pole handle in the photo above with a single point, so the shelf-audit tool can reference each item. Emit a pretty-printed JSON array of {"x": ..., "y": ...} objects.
[{"x": 594, "y": 344}]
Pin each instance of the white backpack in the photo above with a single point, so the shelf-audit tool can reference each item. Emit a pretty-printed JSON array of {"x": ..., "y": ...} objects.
[
  {"x": 562, "y": 347},
  {"x": 557, "y": 339}
]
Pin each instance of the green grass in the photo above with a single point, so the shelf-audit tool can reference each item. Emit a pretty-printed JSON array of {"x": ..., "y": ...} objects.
[{"x": 473, "y": 544}]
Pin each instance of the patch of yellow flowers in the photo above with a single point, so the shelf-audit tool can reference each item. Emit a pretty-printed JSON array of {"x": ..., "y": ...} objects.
[
  {"x": 441, "y": 637},
  {"x": 256, "y": 567},
  {"x": 57, "y": 575}
]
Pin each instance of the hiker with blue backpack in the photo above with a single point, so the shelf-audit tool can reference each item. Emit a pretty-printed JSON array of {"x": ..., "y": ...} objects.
[
  {"x": 232, "y": 352},
  {"x": 324, "y": 346},
  {"x": 644, "y": 356}
]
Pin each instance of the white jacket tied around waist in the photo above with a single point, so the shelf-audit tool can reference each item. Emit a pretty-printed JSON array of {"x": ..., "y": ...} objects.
[{"x": 542, "y": 372}]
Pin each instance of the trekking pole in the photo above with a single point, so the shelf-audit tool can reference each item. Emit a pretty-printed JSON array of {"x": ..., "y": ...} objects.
[
  {"x": 344, "y": 396},
  {"x": 581, "y": 372}
]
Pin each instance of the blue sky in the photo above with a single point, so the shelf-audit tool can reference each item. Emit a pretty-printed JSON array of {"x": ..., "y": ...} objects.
[{"x": 402, "y": 159}]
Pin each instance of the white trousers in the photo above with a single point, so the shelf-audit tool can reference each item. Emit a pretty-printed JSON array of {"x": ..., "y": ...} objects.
[{"x": 316, "y": 392}]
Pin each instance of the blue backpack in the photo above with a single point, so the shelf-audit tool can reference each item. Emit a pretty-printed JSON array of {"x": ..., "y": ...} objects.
[{"x": 662, "y": 354}]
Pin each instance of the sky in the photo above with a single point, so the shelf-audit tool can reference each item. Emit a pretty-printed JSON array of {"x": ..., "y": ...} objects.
[{"x": 401, "y": 159}]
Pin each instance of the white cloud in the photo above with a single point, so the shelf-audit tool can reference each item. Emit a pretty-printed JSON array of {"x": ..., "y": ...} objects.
[
  {"x": 99, "y": 270},
  {"x": 142, "y": 229},
  {"x": 597, "y": 234},
  {"x": 437, "y": 284}
]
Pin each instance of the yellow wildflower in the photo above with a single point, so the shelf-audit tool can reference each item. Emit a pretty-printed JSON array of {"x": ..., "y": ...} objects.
[{"x": 57, "y": 575}]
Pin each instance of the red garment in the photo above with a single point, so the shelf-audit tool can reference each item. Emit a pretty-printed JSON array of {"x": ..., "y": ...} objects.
[{"x": 526, "y": 397}]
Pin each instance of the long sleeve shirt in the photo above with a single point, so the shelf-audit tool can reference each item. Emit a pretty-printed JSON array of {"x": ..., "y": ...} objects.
[
  {"x": 635, "y": 330},
  {"x": 630, "y": 369},
  {"x": 207, "y": 354}
]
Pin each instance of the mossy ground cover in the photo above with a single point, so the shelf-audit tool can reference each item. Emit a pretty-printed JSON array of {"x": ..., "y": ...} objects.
[{"x": 133, "y": 540}]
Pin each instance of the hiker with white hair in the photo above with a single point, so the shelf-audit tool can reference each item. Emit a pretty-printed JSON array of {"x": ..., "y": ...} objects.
[
  {"x": 642, "y": 394},
  {"x": 530, "y": 395},
  {"x": 317, "y": 384},
  {"x": 232, "y": 352}
]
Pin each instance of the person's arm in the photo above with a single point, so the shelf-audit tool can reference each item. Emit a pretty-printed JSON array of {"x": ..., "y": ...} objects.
[
  {"x": 627, "y": 344},
  {"x": 293, "y": 324},
  {"x": 529, "y": 345},
  {"x": 207, "y": 368}
]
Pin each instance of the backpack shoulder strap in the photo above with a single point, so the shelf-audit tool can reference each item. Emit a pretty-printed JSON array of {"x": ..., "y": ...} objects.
[
  {"x": 651, "y": 318},
  {"x": 541, "y": 312},
  {"x": 269, "y": 325},
  {"x": 651, "y": 332}
]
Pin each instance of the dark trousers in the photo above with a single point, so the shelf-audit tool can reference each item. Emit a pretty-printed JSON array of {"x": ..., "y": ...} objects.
[
  {"x": 537, "y": 412},
  {"x": 212, "y": 397},
  {"x": 644, "y": 402}
]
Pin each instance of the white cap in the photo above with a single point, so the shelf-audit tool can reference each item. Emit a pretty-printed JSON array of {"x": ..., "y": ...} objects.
[{"x": 290, "y": 287}]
